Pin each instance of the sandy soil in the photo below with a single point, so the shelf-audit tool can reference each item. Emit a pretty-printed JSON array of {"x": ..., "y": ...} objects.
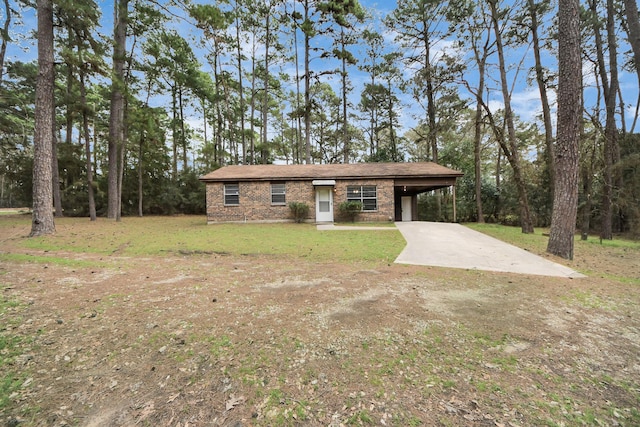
[{"x": 221, "y": 340}]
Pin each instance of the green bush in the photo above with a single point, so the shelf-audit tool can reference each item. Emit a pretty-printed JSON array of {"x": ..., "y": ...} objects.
[
  {"x": 299, "y": 210},
  {"x": 350, "y": 209}
]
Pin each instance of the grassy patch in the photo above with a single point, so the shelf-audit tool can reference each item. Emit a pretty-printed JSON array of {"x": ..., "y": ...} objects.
[
  {"x": 367, "y": 224},
  {"x": 535, "y": 242},
  {"x": 614, "y": 260},
  {"x": 588, "y": 300},
  {"x": 10, "y": 376},
  {"x": 45, "y": 260},
  {"x": 191, "y": 236},
  {"x": 14, "y": 211},
  {"x": 539, "y": 241}
]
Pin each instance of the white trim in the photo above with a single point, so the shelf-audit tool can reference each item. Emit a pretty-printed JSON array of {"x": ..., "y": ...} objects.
[{"x": 324, "y": 182}]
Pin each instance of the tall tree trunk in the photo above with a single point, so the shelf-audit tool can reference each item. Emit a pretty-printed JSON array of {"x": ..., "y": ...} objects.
[
  {"x": 231, "y": 139},
  {"x": 511, "y": 151},
  {"x": 5, "y": 36},
  {"x": 633, "y": 31},
  {"x": 57, "y": 199},
  {"x": 205, "y": 137},
  {"x": 55, "y": 172},
  {"x": 217, "y": 128},
  {"x": 241, "y": 89},
  {"x": 183, "y": 133},
  {"x": 392, "y": 131},
  {"x": 174, "y": 133},
  {"x": 141, "y": 173},
  {"x": 610, "y": 131},
  {"x": 432, "y": 135},
  {"x": 87, "y": 146},
  {"x": 544, "y": 99},
  {"x": 42, "y": 219},
  {"x": 565, "y": 202},
  {"x": 116, "y": 113},
  {"x": 267, "y": 77},
  {"x": 252, "y": 104},
  {"x": 298, "y": 122},
  {"x": 481, "y": 60},
  {"x": 122, "y": 153},
  {"x": 307, "y": 88},
  {"x": 346, "y": 145},
  {"x": 498, "y": 206},
  {"x": 587, "y": 190}
]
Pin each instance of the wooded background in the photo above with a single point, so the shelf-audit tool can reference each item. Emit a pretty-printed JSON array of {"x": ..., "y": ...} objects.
[{"x": 150, "y": 95}]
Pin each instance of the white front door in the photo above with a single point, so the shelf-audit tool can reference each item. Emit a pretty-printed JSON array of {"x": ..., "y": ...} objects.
[
  {"x": 406, "y": 208},
  {"x": 324, "y": 204}
]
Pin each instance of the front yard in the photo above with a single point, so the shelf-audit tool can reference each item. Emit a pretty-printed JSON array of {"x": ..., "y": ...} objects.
[{"x": 166, "y": 321}]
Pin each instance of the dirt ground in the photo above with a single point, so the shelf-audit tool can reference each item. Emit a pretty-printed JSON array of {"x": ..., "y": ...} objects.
[{"x": 223, "y": 340}]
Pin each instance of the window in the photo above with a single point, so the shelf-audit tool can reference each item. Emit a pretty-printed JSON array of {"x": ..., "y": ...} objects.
[
  {"x": 232, "y": 194},
  {"x": 365, "y": 194},
  {"x": 278, "y": 194}
]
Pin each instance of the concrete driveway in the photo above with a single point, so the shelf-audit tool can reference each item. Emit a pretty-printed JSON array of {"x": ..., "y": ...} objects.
[{"x": 453, "y": 245}]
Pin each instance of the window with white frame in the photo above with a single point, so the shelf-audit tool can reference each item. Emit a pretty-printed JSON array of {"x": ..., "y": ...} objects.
[
  {"x": 365, "y": 194},
  {"x": 278, "y": 193},
  {"x": 232, "y": 194}
]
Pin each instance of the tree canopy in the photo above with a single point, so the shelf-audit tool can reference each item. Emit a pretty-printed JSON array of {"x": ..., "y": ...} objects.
[{"x": 150, "y": 95}]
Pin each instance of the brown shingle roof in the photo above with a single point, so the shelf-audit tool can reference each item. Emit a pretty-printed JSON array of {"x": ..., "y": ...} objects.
[{"x": 329, "y": 171}]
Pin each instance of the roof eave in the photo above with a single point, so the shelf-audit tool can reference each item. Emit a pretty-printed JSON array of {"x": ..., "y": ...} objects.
[{"x": 341, "y": 178}]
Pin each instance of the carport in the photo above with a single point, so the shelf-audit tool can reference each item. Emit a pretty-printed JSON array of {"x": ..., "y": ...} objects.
[{"x": 406, "y": 191}]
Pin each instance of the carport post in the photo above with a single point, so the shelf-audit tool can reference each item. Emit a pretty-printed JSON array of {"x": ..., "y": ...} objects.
[{"x": 455, "y": 215}]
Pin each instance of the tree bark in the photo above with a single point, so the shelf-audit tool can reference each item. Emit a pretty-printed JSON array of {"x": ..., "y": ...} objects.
[
  {"x": 346, "y": 143},
  {"x": 481, "y": 60},
  {"x": 116, "y": 117},
  {"x": 55, "y": 172},
  {"x": 267, "y": 77},
  {"x": 121, "y": 161},
  {"x": 511, "y": 151},
  {"x": 610, "y": 131},
  {"x": 5, "y": 36},
  {"x": 633, "y": 31},
  {"x": 183, "y": 132},
  {"x": 307, "y": 88},
  {"x": 87, "y": 146},
  {"x": 42, "y": 222},
  {"x": 174, "y": 133},
  {"x": 140, "y": 173},
  {"x": 563, "y": 219},
  {"x": 544, "y": 99},
  {"x": 219, "y": 127},
  {"x": 587, "y": 190},
  {"x": 240, "y": 88}
]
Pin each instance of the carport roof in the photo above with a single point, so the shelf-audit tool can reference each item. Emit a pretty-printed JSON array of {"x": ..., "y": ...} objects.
[{"x": 415, "y": 170}]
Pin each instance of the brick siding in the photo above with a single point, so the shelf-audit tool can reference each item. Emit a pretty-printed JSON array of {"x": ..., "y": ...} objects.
[{"x": 255, "y": 201}]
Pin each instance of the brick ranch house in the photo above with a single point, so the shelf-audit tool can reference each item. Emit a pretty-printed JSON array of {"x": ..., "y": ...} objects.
[{"x": 261, "y": 193}]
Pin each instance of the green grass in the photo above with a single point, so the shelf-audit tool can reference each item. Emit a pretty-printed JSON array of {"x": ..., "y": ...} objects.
[
  {"x": 192, "y": 236},
  {"x": 513, "y": 235},
  {"x": 539, "y": 241},
  {"x": 43, "y": 259},
  {"x": 14, "y": 211},
  {"x": 10, "y": 376},
  {"x": 366, "y": 224},
  {"x": 611, "y": 259}
]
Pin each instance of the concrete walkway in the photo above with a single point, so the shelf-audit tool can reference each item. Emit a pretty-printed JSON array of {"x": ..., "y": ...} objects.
[
  {"x": 331, "y": 226},
  {"x": 453, "y": 245}
]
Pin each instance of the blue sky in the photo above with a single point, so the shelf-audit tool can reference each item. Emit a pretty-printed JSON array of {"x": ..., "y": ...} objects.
[{"x": 525, "y": 98}]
